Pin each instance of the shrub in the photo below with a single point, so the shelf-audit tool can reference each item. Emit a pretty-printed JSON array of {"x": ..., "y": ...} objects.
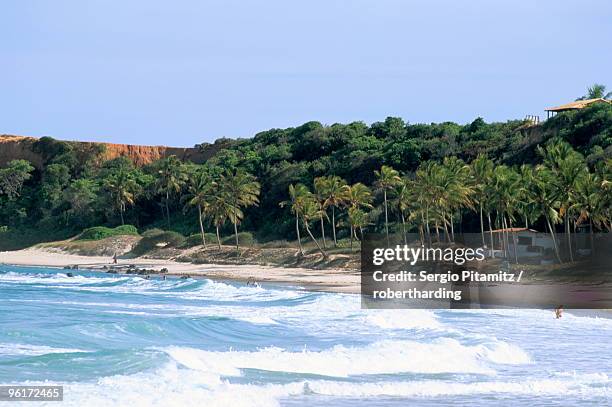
[
  {"x": 102, "y": 232},
  {"x": 244, "y": 238},
  {"x": 196, "y": 240},
  {"x": 278, "y": 244},
  {"x": 152, "y": 232},
  {"x": 193, "y": 240},
  {"x": 126, "y": 230},
  {"x": 154, "y": 238}
]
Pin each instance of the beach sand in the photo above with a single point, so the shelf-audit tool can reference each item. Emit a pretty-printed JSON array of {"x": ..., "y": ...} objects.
[{"x": 332, "y": 280}]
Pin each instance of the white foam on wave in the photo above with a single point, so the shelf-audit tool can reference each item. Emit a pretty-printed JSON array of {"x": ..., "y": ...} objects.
[
  {"x": 51, "y": 278},
  {"x": 204, "y": 289},
  {"x": 403, "y": 319},
  {"x": 174, "y": 386},
  {"x": 384, "y": 357},
  {"x": 33, "y": 350},
  {"x": 436, "y": 388}
]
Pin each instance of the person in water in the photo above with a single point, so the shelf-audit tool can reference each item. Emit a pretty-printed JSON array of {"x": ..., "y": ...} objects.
[{"x": 559, "y": 312}]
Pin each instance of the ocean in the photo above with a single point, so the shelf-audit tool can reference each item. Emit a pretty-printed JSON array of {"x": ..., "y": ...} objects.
[{"x": 114, "y": 340}]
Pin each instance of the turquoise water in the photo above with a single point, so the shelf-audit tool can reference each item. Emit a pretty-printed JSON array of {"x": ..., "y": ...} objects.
[{"x": 126, "y": 341}]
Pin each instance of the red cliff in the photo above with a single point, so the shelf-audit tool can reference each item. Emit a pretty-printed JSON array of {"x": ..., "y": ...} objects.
[{"x": 18, "y": 147}]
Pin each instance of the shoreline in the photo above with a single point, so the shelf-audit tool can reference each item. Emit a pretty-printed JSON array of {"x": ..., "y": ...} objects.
[
  {"x": 329, "y": 280},
  {"x": 317, "y": 280}
]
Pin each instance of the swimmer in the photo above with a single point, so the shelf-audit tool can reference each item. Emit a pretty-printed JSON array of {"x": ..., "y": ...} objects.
[{"x": 559, "y": 312}]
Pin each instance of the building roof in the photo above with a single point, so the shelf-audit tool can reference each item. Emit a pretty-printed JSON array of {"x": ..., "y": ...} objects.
[{"x": 579, "y": 104}]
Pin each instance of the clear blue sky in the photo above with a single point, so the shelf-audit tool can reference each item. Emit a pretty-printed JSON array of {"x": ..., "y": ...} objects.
[{"x": 179, "y": 73}]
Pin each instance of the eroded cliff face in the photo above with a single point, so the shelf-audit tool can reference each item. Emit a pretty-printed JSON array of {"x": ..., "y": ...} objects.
[
  {"x": 15, "y": 148},
  {"x": 18, "y": 147}
]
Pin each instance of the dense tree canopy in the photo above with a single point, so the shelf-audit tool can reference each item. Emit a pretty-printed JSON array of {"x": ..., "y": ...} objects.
[{"x": 77, "y": 189}]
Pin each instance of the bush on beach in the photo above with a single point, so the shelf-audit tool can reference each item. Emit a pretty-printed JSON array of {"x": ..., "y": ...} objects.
[
  {"x": 244, "y": 239},
  {"x": 102, "y": 232},
  {"x": 156, "y": 238}
]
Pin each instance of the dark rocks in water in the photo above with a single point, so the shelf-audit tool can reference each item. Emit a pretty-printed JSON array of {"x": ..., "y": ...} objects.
[
  {"x": 75, "y": 267},
  {"x": 67, "y": 267},
  {"x": 164, "y": 270},
  {"x": 185, "y": 277},
  {"x": 69, "y": 275},
  {"x": 111, "y": 272}
]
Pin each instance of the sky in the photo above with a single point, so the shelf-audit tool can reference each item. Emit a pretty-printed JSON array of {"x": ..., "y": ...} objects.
[{"x": 185, "y": 72}]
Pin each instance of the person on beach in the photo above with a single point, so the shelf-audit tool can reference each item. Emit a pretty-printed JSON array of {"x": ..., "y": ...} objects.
[
  {"x": 559, "y": 312},
  {"x": 115, "y": 258}
]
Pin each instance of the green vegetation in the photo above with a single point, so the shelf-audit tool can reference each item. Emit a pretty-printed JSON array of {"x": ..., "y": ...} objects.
[
  {"x": 334, "y": 183},
  {"x": 102, "y": 232},
  {"x": 157, "y": 238}
]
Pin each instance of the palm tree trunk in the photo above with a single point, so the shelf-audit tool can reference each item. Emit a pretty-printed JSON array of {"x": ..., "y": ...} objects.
[
  {"x": 334, "y": 225},
  {"x": 568, "y": 233},
  {"x": 446, "y": 234},
  {"x": 201, "y": 225},
  {"x": 504, "y": 230},
  {"x": 323, "y": 230},
  {"x": 591, "y": 236},
  {"x": 297, "y": 231},
  {"x": 404, "y": 228},
  {"x": 491, "y": 235},
  {"x": 236, "y": 230},
  {"x": 552, "y": 235},
  {"x": 452, "y": 229},
  {"x": 482, "y": 227},
  {"x": 351, "y": 233},
  {"x": 168, "y": 208},
  {"x": 315, "y": 240},
  {"x": 514, "y": 242},
  {"x": 121, "y": 209},
  {"x": 427, "y": 225},
  {"x": 421, "y": 235},
  {"x": 218, "y": 237},
  {"x": 386, "y": 216}
]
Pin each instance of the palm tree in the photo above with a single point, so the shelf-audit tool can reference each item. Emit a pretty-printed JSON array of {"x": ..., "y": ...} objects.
[
  {"x": 298, "y": 195},
  {"x": 588, "y": 202},
  {"x": 241, "y": 190},
  {"x": 597, "y": 91},
  {"x": 310, "y": 212},
  {"x": 218, "y": 211},
  {"x": 482, "y": 170},
  {"x": 359, "y": 219},
  {"x": 387, "y": 178},
  {"x": 123, "y": 187},
  {"x": 526, "y": 207},
  {"x": 199, "y": 197},
  {"x": 334, "y": 191},
  {"x": 320, "y": 187},
  {"x": 568, "y": 167},
  {"x": 426, "y": 193},
  {"x": 456, "y": 189},
  {"x": 541, "y": 192},
  {"x": 170, "y": 180},
  {"x": 505, "y": 187},
  {"x": 356, "y": 196},
  {"x": 402, "y": 202}
]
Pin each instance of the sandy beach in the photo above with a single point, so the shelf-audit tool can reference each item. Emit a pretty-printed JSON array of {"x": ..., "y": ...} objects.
[{"x": 332, "y": 280}]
